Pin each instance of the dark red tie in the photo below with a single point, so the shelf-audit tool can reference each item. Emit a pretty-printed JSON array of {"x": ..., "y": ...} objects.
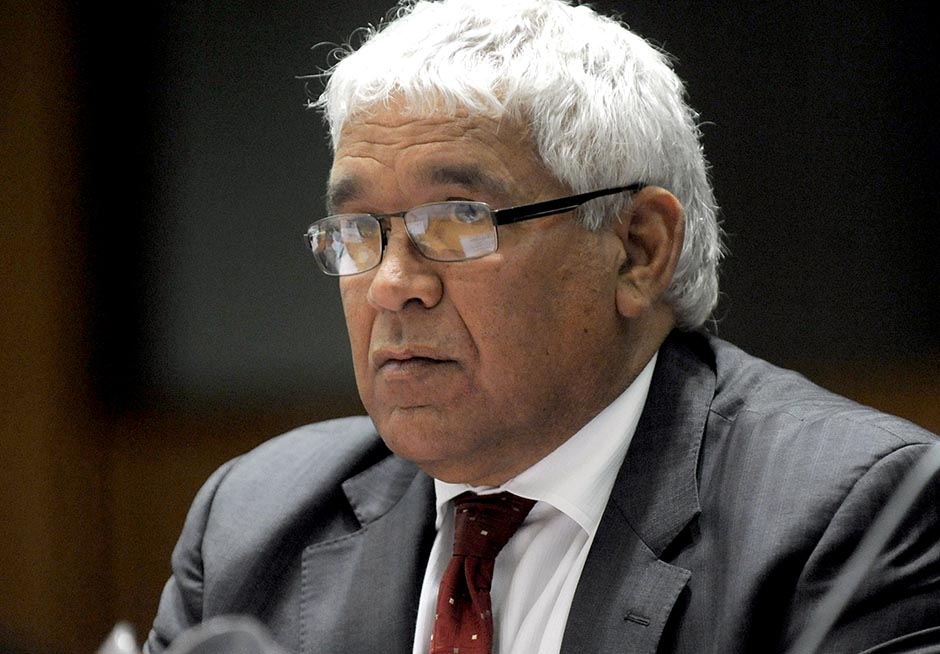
[{"x": 483, "y": 524}]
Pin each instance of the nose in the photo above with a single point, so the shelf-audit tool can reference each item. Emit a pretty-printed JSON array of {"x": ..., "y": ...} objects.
[{"x": 404, "y": 275}]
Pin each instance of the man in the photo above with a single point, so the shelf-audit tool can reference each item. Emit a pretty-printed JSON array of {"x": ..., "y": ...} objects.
[{"x": 526, "y": 246}]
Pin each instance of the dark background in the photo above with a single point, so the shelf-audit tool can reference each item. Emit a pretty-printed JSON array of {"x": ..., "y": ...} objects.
[
  {"x": 205, "y": 167},
  {"x": 160, "y": 313}
]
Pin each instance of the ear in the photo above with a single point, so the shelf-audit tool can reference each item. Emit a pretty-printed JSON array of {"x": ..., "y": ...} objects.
[{"x": 651, "y": 231}]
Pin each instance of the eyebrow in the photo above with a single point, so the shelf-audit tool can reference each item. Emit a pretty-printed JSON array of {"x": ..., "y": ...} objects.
[
  {"x": 343, "y": 191},
  {"x": 468, "y": 176}
]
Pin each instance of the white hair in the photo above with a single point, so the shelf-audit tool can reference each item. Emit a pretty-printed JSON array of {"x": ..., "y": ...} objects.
[{"x": 604, "y": 107}]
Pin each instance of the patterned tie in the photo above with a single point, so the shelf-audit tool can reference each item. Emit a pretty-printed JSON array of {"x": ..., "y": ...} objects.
[{"x": 483, "y": 524}]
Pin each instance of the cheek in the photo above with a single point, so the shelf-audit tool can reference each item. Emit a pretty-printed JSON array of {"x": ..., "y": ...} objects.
[
  {"x": 516, "y": 330},
  {"x": 358, "y": 319},
  {"x": 548, "y": 321}
]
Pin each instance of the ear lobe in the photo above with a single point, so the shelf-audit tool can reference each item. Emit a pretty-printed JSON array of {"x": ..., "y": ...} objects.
[{"x": 651, "y": 232}]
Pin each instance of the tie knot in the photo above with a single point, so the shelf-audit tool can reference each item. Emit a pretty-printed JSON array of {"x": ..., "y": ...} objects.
[{"x": 483, "y": 524}]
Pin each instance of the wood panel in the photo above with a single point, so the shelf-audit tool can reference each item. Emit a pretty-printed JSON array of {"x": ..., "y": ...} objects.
[{"x": 53, "y": 560}]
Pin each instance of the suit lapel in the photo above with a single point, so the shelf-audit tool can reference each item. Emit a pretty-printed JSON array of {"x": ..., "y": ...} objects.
[
  {"x": 360, "y": 591},
  {"x": 627, "y": 592}
]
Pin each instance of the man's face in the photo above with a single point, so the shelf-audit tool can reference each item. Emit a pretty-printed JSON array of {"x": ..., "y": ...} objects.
[{"x": 475, "y": 370}]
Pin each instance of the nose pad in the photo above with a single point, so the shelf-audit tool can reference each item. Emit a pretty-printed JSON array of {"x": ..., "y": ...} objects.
[
  {"x": 384, "y": 228},
  {"x": 388, "y": 237}
]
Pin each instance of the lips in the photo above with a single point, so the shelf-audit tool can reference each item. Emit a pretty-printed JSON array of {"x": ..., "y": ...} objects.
[{"x": 404, "y": 357}]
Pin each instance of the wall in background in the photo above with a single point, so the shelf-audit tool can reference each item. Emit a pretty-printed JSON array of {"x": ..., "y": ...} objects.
[
  {"x": 205, "y": 168},
  {"x": 160, "y": 314},
  {"x": 54, "y": 552}
]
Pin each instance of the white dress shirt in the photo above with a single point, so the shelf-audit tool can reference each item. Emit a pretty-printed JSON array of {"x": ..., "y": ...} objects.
[{"x": 536, "y": 574}]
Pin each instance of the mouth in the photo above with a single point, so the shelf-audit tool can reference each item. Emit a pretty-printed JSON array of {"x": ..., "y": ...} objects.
[{"x": 407, "y": 359}]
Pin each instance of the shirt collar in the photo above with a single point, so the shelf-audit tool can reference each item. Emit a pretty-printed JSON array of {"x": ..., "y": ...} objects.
[{"x": 577, "y": 477}]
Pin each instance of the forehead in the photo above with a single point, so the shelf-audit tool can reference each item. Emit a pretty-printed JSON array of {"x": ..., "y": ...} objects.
[{"x": 476, "y": 152}]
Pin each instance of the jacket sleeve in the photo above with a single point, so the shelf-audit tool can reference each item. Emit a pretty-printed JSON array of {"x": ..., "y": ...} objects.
[
  {"x": 899, "y": 598},
  {"x": 181, "y": 605}
]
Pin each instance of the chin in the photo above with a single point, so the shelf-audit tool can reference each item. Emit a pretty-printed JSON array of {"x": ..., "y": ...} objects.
[{"x": 432, "y": 449}]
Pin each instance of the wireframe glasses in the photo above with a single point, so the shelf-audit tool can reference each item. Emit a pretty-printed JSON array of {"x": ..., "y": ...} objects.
[{"x": 353, "y": 243}]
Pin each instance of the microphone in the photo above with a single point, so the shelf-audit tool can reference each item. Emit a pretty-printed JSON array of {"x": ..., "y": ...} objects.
[{"x": 226, "y": 635}]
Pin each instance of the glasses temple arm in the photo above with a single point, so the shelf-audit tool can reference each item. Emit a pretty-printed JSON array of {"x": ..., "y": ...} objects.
[{"x": 551, "y": 207}]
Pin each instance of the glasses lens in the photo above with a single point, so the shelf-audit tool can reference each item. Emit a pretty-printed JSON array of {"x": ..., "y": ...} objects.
[
  {"x": 452, "y": 231},
  {"x": 347, "y": 244}
]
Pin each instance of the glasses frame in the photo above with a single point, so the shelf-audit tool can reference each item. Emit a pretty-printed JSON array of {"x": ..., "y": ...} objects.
[{"x": 506, "y": 216}]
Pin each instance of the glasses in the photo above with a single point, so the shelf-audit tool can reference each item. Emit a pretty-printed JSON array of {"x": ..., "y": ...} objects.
[{"x": 353, "y": 243}]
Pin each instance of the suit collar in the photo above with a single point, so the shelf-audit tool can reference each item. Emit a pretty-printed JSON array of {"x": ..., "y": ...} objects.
[
  {"x": 626, "y": 592},
  {"x": 657, "y": 489},
  {"x": 373, "y": 492},
  {"x": 360, "y": 590}
]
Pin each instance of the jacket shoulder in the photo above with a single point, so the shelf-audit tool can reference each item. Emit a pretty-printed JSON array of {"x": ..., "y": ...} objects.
[
  {"x": 789, "y": 478},
  {"x": 270, "y": 489},
  {"x": 323, "y": 452},
  {"x": 239, "y": 548},
  {"x": 750, "y": 389}
]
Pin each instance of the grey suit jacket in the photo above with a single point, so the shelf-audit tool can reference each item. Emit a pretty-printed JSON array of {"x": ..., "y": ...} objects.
[{"x": 743, "y": 492}]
